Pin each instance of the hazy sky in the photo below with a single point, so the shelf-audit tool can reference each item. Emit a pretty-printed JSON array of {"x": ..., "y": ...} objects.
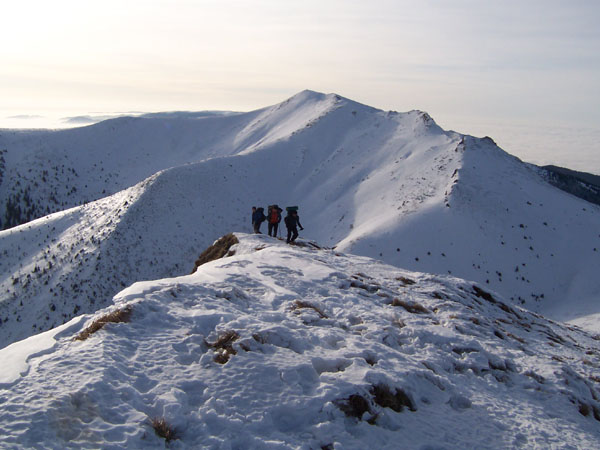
[{"x": 515, "y": 70}]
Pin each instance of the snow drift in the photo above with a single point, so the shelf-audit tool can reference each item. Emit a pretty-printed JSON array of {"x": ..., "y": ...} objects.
[{"x": 300, "y": 347}]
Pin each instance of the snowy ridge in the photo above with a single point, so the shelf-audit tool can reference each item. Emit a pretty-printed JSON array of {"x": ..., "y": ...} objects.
[
  {"x": 184, "y": 209},
  {"x": 46, "y": 171},
  {"x": 324, "y": 350},
  {"x": 285, "y": 119},
  {"x": 393, "y": 186}
]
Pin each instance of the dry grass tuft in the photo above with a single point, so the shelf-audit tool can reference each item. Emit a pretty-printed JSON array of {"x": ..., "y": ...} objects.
[
  {"x": 587, "y": 410},
  {"x": 370, "y": 288},
  {"x": 414, "y": 308},
  {"x": 463, "y": 350},
  {"x": 354, "y": 406},
  {"x": 360, "y": 275},
  {"x": 584, "y": 409},
  {"x": 531, "y": 374},
  {"x": 306, "y": 244},
  {"x": 163, "y": 429},
  {"x": 223, "y": 346},
  {"x": 483, "y": 294},
  {"x": 370, "y": 360},
  {"x": 117, "y": 316},
  {"x": 218, "y": 250},
  {"x": 516, "y": 338},
  {"x": 383, "y": 396},
  {"x": 406, "y": 281},
  {"x": 299, "y": 304},
  {"x": 261, "y": 339}
]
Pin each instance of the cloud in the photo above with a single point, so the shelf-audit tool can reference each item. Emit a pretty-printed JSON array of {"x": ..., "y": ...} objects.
[
  {"x": 186, "y": 114},
  {"x": 26, "y": 117},
  {"x": 88, "y": 119}
]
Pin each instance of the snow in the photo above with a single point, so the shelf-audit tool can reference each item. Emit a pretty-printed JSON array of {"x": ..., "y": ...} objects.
[
  {"x": 317, "y": 334},
  {"x": 315, "y": 328},
  {"x": 15, "y": 357},
  {"x": 393, "y": 186}
]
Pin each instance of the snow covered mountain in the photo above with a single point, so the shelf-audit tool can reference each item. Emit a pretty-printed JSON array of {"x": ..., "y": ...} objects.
[
  {"x": 393, "y": 186},
  {"x": 285, "y": 347},
  {"x": 45, "y": 171}
]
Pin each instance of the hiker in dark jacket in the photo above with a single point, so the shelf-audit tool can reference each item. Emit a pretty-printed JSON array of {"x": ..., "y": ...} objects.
[
  {"x": 258, "y": 217},
  {"x": 273, "y": 219},
  {"x": 291, "y": 222}
]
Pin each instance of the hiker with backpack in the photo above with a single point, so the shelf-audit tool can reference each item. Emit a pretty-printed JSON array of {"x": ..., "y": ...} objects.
[
  {"x": 292, "y": 221},
  {"x": 258, "y": 217},
  {"x": 273, "y": 218}
]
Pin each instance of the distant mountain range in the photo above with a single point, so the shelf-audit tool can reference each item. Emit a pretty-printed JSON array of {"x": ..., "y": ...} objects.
[
  {"x": 139, "y": 198},
  {"x": 581, "y": 184}
]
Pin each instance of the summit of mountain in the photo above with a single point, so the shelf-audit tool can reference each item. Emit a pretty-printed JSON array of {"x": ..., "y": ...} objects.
[{"x": 393, "y": 186}]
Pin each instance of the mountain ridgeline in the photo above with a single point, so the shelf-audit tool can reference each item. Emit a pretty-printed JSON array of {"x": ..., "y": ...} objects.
[{"x": 140, "y": 198}]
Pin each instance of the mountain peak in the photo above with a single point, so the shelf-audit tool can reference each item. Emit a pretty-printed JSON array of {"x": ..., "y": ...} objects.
[
  {"x": 393, "y": 186},
  {"x": 310, "y": 96},
  {"x": 307, "y": 94}
]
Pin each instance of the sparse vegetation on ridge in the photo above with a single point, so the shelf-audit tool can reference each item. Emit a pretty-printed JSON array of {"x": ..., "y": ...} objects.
[
  {"x": 117, "y": 316},
  {"x": 301, "y": 304},
  {"x": 223, "y": 346},
  {"x": 356, "y": 405},
  {"x": 411, "y": 307},
  {"x": 163, "y": 429},
  {"x": 384, "y": 397},
  {"x": 406, "y": 281}
]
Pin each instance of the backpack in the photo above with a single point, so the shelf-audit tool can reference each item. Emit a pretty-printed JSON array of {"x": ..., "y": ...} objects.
[
  {"x": 261, "y": 215},
  {"x": 290, "y": 221},
  {"x": 273, "y": 215}
]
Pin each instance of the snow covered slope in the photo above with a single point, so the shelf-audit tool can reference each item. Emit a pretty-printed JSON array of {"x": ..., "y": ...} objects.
[
  {"x": 499, "y": 223},
  {"x": 393, "y": 186},
  {"x": 44, "y": 171},
  {"x": 297, "y": 347}
]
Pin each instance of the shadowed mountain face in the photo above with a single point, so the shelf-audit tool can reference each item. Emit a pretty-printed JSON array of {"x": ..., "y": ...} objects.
[
  {"x": 580, "y": 184},
  {"x": 393, "y": 186}
]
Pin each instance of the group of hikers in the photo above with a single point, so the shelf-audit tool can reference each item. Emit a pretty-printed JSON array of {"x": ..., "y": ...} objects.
[{"x": 273, "y": 217}]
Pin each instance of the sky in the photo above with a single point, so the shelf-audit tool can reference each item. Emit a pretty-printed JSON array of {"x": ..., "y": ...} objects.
[{"x": 525, "y": 73}]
